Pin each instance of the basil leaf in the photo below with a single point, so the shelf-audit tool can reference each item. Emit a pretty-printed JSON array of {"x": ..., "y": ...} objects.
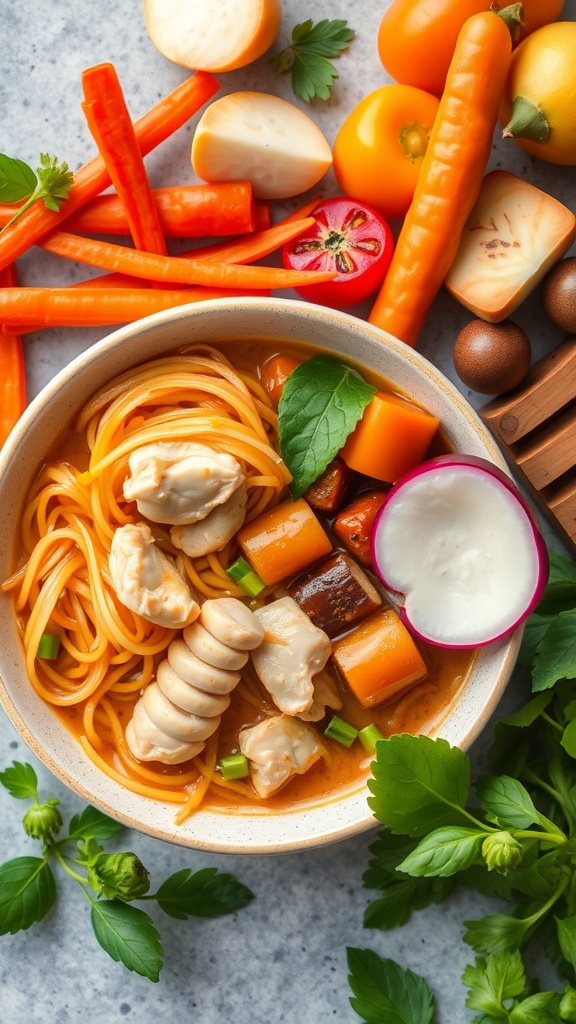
[
  {"x": 385, "y": 993},
  {"x": 506, "y": 802},
  {"x": 93, "y": 824},
  {"x": 20, "y": 780},
  {"x": 27, "y": 893},
  {"x": 206, "y": 893},
  {"x": 556, "y": 655},
  {"x": 128, "y": 935},
  {"x": 444, "y": 852},
  {"x": 321, "y": 403},
  {"x": 17, "y": 179}
]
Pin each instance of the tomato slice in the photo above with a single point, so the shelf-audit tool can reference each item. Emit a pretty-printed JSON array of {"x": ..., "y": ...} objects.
[{"x": 348, "y": 238}]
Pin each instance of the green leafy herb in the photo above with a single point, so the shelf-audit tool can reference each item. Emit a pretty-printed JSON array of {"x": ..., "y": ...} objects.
[
  {"x": 308, "y": 55},
  {"x": 321, "y": 403},
  {"x": 51, "y": 182},
  {"x": 385, "y": 993},
  {"x": 111, "y": 881}
]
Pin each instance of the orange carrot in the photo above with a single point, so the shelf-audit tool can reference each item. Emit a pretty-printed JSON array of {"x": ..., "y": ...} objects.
[
  {"x": 283, "y": 540},
  {"x": 250, "y": 247},
  {"x": 74, "y": 306},
  {"x": 378, "y": 658},
  {"x": 111, "y": 127},
  {"x": 153, "y": 128},
  {"x": 392, "y": 437},
  {"x": 13, "y": 376},
  {"x": 174, "y": 269},
  {"x": 275, "y": 372},
  {"x": 449, "y": 179}
]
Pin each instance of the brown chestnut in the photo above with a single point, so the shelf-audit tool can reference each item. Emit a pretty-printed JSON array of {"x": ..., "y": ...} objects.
[
  {"x": 492, "y": 358},
  {"x": 559, "y": 294}
]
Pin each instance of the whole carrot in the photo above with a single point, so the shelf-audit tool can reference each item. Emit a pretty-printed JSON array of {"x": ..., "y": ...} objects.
[
  {"x": 450, "y": 177},
  {"x": 153, "y": 128}
]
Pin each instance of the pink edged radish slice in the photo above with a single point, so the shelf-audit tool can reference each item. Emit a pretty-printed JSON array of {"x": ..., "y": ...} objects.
[{"x": 460, "y": 547}]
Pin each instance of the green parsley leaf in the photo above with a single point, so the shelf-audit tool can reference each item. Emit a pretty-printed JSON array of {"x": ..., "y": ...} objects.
[
  {"x": 493, "y": 981},
  {"x": 497, "y": 933},
  {"x": 21, "y": 781},
  {"x": 419, "y": 784},
  {"x": 321, "y": 403},
  {"x": 566, "y": 927},
  {"x": 204, "y": 893},
  {"x": 27, "y": 893},
  {"x": 385, "y": 993},
  {"x": 444, "y": 852},
  {"x": 128, "y": 935},
  {"x": 93, "y": 824},
  {"x": 51, "y": 182},
  {"x": 556, "y": 655},
  {"x": 308, "y": 55},
  {"x": 506, "y": 802}
]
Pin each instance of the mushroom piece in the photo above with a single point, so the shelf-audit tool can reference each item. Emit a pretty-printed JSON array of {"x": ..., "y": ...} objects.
[
  {"x": 147, "y": 581},
  {"x": 180, "y": 482},
  {"x": 278, "y": 748},
  {"x": 292, "y": 652},
  {"x": 214, "y": 531}
]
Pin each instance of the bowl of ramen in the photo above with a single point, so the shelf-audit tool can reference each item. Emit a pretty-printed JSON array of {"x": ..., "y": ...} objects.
[{"x": 192, "y": 633}]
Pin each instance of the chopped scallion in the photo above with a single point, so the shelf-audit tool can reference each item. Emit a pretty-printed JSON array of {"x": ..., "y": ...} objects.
[
  {"x": 369, "y": 737},
  {"x": 341, "y": 731},
  {"x": 49, "y": 646},
  {"x": 234, "y": 766},
  {"x": 245, "y": 576}
]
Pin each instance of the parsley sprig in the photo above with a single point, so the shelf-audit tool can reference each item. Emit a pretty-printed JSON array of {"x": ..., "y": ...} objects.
[
  {"x": 111, "y": 881},
  {"x": 51, "y": 182},
  {"x": 308, "y": 55}
]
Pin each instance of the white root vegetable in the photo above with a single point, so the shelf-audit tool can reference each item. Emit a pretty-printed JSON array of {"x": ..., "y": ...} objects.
[
  {"x": 213, "y": 35},
  {"x": 182, "y": 708},
  {"x": 278, "y": 748},
  {"x": 512, "y": 237},
  {"x": 261, "y": 139}
]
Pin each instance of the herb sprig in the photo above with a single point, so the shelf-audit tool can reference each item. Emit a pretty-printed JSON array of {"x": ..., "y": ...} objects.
[
  {"x": 307, "y": 57},
  {"x": 111, "y": 882},
  {"x": 51, "y": 182}
]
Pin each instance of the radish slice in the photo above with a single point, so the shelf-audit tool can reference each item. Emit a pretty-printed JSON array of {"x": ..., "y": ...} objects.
[{"x": 461, "y": 548}]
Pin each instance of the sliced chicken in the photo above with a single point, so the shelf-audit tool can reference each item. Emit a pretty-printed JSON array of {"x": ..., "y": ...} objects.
[
  {"x": 325, "y": 696},
  {"x": 278, "y": 748},
  {"x": 213, "y": 532},
  {"x": 293, "y": 651},
  {"x": 147, "y": 581},
  {"x": 180, "y": 482},
  {"x": 181, "y": 709}
]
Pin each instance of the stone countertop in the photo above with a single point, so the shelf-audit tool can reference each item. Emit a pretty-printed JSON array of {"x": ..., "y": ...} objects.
[{"x": 281, "y": 960}]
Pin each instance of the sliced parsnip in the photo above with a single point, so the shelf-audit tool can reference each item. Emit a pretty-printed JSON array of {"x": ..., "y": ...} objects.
[
  {"x": 261, "y": 139},
  {"x": 213, "y": 35},
  {"x": 513, "y": 235}
]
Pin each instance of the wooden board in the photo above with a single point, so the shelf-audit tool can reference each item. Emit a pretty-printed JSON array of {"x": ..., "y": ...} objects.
[{"x": 535, "y": 425}]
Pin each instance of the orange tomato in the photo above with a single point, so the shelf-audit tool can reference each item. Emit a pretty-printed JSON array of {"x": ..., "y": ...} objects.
[
  {"x": 416, "y": 38},
  {"x": 379, "y": 148}
]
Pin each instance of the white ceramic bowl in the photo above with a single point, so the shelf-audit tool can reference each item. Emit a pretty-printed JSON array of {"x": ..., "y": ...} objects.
[{"x": 62, "y": 398}]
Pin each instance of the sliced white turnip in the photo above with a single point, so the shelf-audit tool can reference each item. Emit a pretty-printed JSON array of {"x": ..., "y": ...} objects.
[
  {"x": 260, "y": 138},
  {"x": 460, "y": 547}
]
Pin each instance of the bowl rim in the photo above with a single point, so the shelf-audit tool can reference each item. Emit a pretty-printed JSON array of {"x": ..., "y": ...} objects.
[{"x": 300, "y": 831}]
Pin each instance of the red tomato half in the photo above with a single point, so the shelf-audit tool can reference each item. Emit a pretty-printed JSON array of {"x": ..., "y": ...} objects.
[{"x": 349, "y": 238}]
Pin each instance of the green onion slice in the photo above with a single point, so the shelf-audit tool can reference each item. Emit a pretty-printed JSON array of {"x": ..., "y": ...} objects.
[
  {"x": 234, "y": 766},
  {"x": 245, "y": 576},
  {"x": 49, "y": 646},
  {"x": 341, "y": 731},
  {"x": 369, "y": 737}
]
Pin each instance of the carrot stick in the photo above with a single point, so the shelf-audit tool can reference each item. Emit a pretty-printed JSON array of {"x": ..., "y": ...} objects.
[
  {"x": 174, "y": 269},
  {"x": 449, "y": 179},
  {"x": 154, "y": 127},
  {"x": 13, "y": 376},
  {"x": 111, "y": 126},
  {"x": 251, "y": 247},
  {"x": 95, "y": 307}
]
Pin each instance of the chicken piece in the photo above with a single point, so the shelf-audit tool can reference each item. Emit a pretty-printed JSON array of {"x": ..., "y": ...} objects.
[
  {"x": 278, "y": 748},
  {"x": 292, "y": 652},
  {"x": 214, "y": 531},
  {"x": 325, "y": 696},
  {"x": 149, "y": 743},
  {"x": 233, "y": 623},
  {"x": 181, "y": 725},
  {"x": 180, "y": 482},
  {"x": 147, "y": 581}
]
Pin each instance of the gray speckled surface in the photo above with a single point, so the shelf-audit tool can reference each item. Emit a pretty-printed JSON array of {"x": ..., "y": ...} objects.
[{"x": 282, "y": 960}]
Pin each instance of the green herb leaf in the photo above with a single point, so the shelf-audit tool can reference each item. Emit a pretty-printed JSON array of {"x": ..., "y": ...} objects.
[
  {"x": 21, "y": 781},
  {"x": 17, "y": 179},
  {"x": 52, "y": 183},
  {"x": 556, "y": 655},
  {"x": 206, "y": 893},
  {"x": 497, "y": 933},
  {"x": 506, "y": 802},
  {"x": 93, "y": 824},
  {"x": 128, "y": 935},
  {"x": 566, "y": 928},
  {"x": 321, "y": 403},
  {"x": 27, "y": 892},
  {"x": 444, "y": 852},
  {"x": 419, "y": 784},
  {"x": 385, "y": 993},
  {"x": 493, "y": 981},
  {"x": 307, "y": 56}
]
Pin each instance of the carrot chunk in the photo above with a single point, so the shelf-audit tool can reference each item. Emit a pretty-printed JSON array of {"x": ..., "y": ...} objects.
[
  {"x": 392, "y": 438},
  {"x": 283, "y": 540},
  {"x": 275, "y": 372},
  {"x": 378, "y": 658}
]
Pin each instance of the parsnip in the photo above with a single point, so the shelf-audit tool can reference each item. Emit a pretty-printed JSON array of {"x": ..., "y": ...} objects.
[
  {"x": 213, "y": 35},
  {"x": 512, "y": 237},
  {"x": 262, "y": 139}
]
